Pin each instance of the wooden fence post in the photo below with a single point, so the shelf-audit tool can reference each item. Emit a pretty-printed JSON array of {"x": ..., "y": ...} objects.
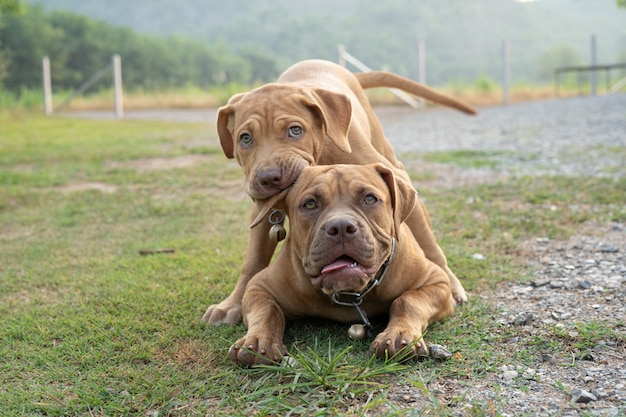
[
  {"x": 47, "y": 86},
  {"x": 506, "y": 75},
  {"x": 594, "y": 62},
  {"x": 421, "y": 67},
  {"x": 117, "y": 85}
]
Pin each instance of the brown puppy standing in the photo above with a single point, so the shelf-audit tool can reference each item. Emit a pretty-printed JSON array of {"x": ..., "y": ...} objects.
[
  {"x": 316, "y": 114},
  {"x": 347, "y": 237}
]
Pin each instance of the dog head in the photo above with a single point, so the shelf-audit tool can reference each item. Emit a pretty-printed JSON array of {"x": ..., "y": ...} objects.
[
  {"x": 342, "y": 221},
  {"x": 276, "y": 130}
]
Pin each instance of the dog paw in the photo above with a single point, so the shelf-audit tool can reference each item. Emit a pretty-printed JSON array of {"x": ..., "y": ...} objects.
[
  {"x": 458, "y": 295},
  {"x": 226, "y": 312},
  {"x": 251, "y": 350},
  {"x": 408, "y": 344},
  {"x": 457, "y": 292}
]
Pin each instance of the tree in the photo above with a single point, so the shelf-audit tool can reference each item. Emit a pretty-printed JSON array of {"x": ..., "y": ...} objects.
[
  {"x": 10, "y": 6},
  {"x": 621, "y": 3},
  {"x": 27, "y": 38},
  {"x": 6, "y": 7}
]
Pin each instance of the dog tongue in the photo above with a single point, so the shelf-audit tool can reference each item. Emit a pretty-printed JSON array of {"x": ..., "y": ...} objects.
[{"x": 342, "y": 262}]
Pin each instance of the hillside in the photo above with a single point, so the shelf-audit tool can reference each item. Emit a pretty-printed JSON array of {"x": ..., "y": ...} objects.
[{"x": 463, "y": 38}]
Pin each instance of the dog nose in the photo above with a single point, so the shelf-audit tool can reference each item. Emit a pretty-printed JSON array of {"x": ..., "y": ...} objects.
[
  {"x": 341, "y": 229},
  {"x": 271, "y": 178}
]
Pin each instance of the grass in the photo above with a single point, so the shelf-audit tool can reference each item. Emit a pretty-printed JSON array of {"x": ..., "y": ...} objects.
[
  {"x": 182, "y": 97},
  {"x": 91, "y": 327},
  {"x": 191, "y": 96},
  {"x": 464, "y": 158}
]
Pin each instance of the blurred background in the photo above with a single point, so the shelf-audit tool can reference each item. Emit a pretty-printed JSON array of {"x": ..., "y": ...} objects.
[{"x": 193, "y": 53}]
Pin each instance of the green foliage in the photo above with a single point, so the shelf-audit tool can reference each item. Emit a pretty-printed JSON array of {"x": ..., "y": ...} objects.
[
  {"x": 78, "y": 47},
  {"x": 10, "y": 6},
  {"x": 463, "y": 39},
  {"x": 223, "y": 44}
]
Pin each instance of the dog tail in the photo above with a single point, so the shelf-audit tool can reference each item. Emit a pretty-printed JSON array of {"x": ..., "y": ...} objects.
[{"x": 375, "y": 79}]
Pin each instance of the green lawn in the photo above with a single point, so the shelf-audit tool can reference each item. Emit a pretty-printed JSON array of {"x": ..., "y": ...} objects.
[{"x": 91, "y": 327}]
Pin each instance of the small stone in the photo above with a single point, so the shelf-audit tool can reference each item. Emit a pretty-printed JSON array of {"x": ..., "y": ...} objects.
[
  {"x": 580, "y": 396},
  {"x": 439, "y": 352},
  {"x": 289, "y": 362},
  {"x": 584, "y": 284},
  {"x": 614, "y": 282},
  {"x": 479, "y": 257},
  {"x": 601, "y": 394},
  {"x": 566, "y": 315},
  {"x": 529, "y": 373},
  {"x": 540, "y": 282},
  {"x": 524, "y": 319},
  {"x": 556, "y": 284},
  {"x": 607, "y": 248},
  {"x": 543, "y": 240},
  {"x": 509, "y": 375}
]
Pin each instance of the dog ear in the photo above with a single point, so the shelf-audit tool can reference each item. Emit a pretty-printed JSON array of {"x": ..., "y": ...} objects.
[
  {"x": 335, "y": 110},
  {"x": 403, "y": 195},
  {"x": 265, "y": 206},
  {"x": 224, "y": 115}
]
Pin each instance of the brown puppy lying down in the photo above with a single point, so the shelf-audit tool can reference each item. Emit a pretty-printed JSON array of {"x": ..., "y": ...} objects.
[
  {"x": 317, "y": 113},
  {"x": 347, "y": 242}
]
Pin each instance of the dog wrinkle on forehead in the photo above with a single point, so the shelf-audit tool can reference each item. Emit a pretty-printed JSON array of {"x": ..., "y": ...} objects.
[
  {"x": 253, "y": 124},
  {"x": 284, "y": 120},
  {"x": 350, "y": 177},
  {"x": 346, "y": 182}
]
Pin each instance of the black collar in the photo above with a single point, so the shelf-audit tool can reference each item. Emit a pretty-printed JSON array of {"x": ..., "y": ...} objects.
[{"x": 356, "y": 298}]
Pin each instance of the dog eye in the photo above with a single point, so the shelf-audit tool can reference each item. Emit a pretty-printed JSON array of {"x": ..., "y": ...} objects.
[
  {"x": 310, "y": 204},
  {"x": 245, "y": 139},
  {"x": 295, "y": 132},
  {"x": 370, "y": 199}
]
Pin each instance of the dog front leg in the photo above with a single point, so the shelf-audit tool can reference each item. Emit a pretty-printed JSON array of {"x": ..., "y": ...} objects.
[
  {"x": 409, "y": 316},
  {"x": 263, "y": 343},
  {"x": 258, "y": 255}
]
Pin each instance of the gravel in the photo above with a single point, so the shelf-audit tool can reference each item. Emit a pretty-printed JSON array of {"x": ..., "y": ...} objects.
[
  {"x": 566, "y": 137},
  {"x": 576, "y": 283}
]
